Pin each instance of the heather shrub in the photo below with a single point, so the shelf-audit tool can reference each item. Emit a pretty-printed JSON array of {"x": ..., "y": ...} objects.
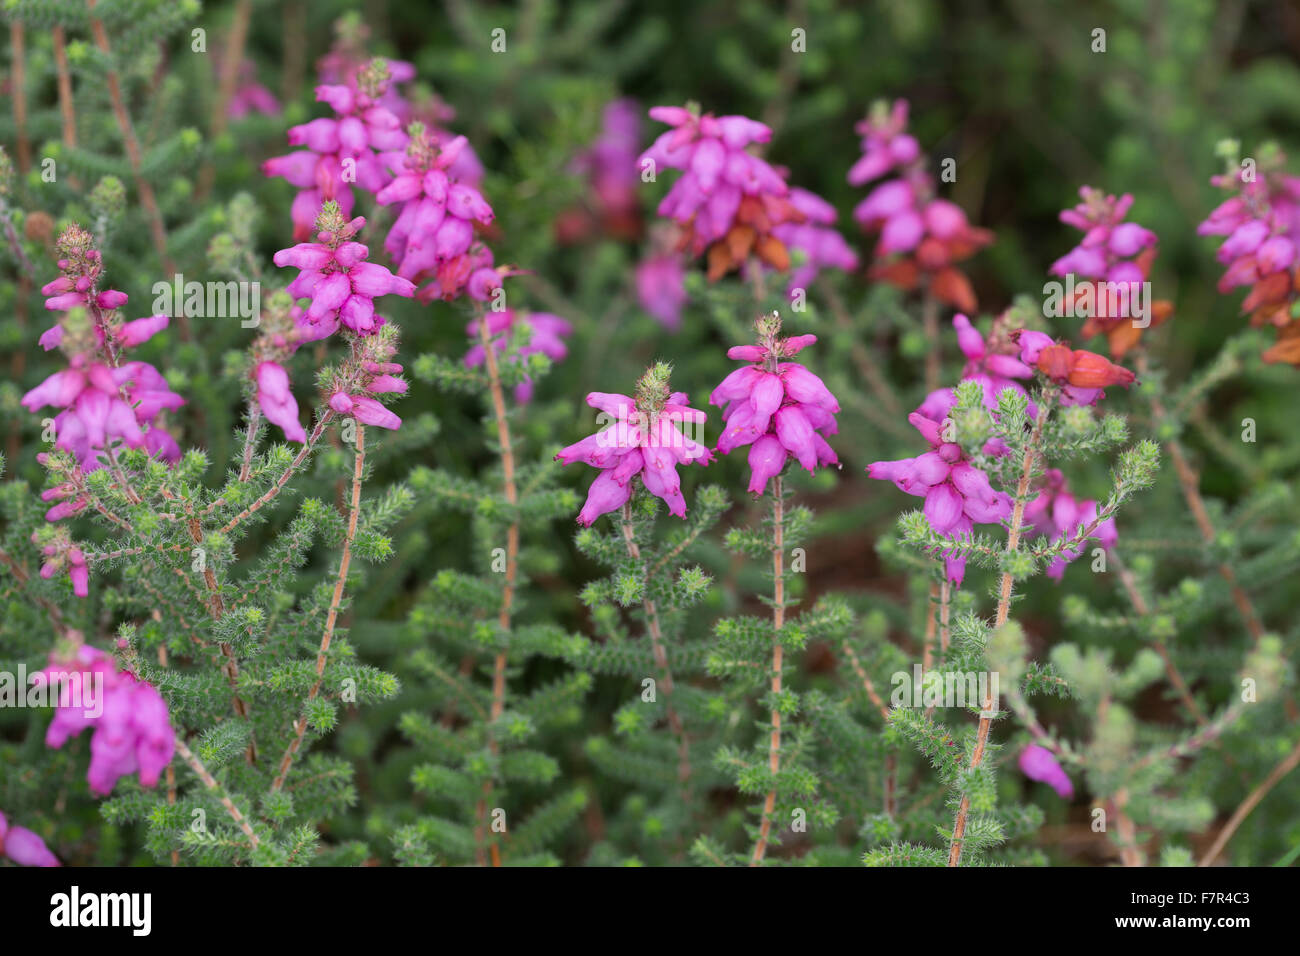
[{"x": 578, "y": 437}]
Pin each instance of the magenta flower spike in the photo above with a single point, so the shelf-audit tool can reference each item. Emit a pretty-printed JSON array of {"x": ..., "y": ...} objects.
[
  {"x": 342, "y": 286},
  {"x": 358, "y": 145},
  {"x": 642, "y": 438},
  {"x": 24, "y": 847},
  {"x": 334, "y": 275},
  {"x": 727, "y": 200},
  {"x": 546, "y": 337},
  {"x": 957, "y": 495},
  {"x": 992, "y": 362},
  {"x": 1054, "y": 511},
  {"x": 131, "y": 729},
  {"x": 432, "y": 237},
  {"x": 104, "y": 400},
  {"x": 780, "y": 409},
  {"x": 1038, "y": 763}
]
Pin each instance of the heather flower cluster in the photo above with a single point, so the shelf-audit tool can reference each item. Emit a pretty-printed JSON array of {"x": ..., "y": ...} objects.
[
  {"x": 610, "y": 168},
  {"x": 728, "y": 201},
  {"x": 779, "y": 409},
  {"x": 921, "y": 237},
  {"x": 644, "y": 440},
  {"x": 342, "y": 287},
  {"x": 545, "y": 336},
  {"x": 957, "y": 494},
  {"x": 105, "y": 403},
  {"x": 1055, "y": 512},
  {"x": 822, "y": 246},
  {"x": 432, "y": 239},
  {"x": 130, "y": 726},
  {"x": 1262, "y": 225},
  {"x": 1112, "y": 263},
  {"x": 368, "y": 371},
  {"x": 359, "y": 145},
  {"x": 993, "y": 362}
]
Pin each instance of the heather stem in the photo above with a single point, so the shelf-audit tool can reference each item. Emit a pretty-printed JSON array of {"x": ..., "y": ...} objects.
[
  {"x": 512, "y": 568},
  {"x": 1171, "y": 670},
  {"x": 1045, "y": 404},
  {"x": 250, "y": 436},
  {"x": 211, "y": 783},
  {"x": 65, "y": 87},
  {"x": 18, "y": 92},
  {"x": 1287, "y": 764},
  {"x": 307, "y": 448},
  {"x": 1191, "y": 488},
  {"x": 660, "y": 652},
  {"x": 945, "y": 611},
  {"x": 340, "y": 581},
  {"x": 778, "y": 622}
]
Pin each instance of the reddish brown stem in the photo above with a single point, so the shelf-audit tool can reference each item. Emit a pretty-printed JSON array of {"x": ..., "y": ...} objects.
[
  {"x": 65, "y": 87},
  {"x": 660, "y": 652},
  {"x": 506, "y": 449},
  {"x": 18, "y": 92},
  {"x": 1287, "y": 764},
  {"x": 778, "y": 622},
  {"x": 331, "y": 619},
  {"x": 1004, "y": 609},
  {"x": 210, "y": 782}
]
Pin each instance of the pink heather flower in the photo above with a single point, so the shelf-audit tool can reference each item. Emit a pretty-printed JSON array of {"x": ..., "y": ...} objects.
[
  {"x": 131, "y": 726},
  {"x": 1262, "y": 249},
  {"x": 62, "y": 555},
  {"x": 1038, "y": 763},
  {"x": 433, "y": 235},
  {"x": 642, "y": 441},
  {"x": 957, "y": 495},
  {"x": 251, "y": 96},
  {"x": 780, "y": 409},
  {"x": 1031, "y": 345},
  {"x": 24, "y": 847},
  {"x": 374, "y": 378},
  {"x": 1110, "y": 263},
  {"x": 361, "y": 144},
  {"x": 727, "y": 201},
  {"x": 1056, "y": 513},
  {"x": 335, "y": 276},
  {"x": 1108, "y": 242},
  {"x": 996, "y": 369},
  {"x": 822, "y": 246},
  {"x": 103, "y": 405},
  {"x": 660, "y": 287},
  {"x": 885, "y": 144},
  {"x": 277, "y": 401},
  {"x": 921, "y": 237},
  {"x": 546, "y": 337},
  {"x": 610, "y": 165}
]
